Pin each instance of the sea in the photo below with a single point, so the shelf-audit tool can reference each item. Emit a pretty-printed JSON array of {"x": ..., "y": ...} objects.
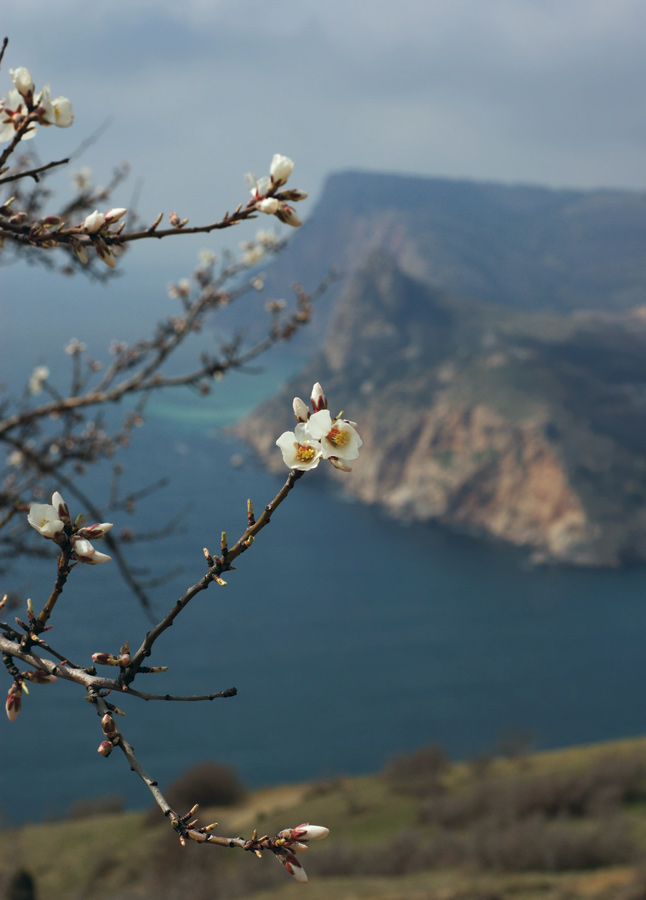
[{"x": 350, "y": 638}]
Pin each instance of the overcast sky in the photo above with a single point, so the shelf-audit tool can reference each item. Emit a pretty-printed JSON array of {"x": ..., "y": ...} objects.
[{"x": 198, "y": 92}]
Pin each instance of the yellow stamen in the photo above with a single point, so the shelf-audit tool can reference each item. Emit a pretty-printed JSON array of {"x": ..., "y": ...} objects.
[
  {"x": 338, "y": 437},
  {"x": 305, "y": 453}
]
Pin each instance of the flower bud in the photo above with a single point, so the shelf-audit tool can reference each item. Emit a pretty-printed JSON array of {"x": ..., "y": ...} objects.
[
  {"x": 14, "y": 701},
  {"x": 294, "y": 867},
  {"x": 108, "y": 725},
  {"x": 301, "y": 411},
  {"x": 104, "y": 253},
  {"x": 293, "y": 194},
  {"x": 288, "y": 215},
  {"x": 92, "y": 532},
  {"x": 339, "y": 464},
  {"x": 105, "y": 748},
  {"x": 23, "y": 82},
  {"x": 268, "y": 205},
  {"x": 40, "y": 677},
  {"x": 113, "y": 214},
  {"x": 94, "y": 222},
  {"x": 104, "y": 659},
  {"x": 280, "y": 169},
  {"x": 80, "y": 251},
  {"x": 307, "y": 832},
  {"x": 318, "y": 398}
]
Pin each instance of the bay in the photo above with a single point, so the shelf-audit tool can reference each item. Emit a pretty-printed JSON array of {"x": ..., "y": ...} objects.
[{"x": 350, "y": 638}]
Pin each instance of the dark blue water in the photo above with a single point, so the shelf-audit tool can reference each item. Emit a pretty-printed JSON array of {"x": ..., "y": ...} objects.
[{"x": 350, "y": 638}]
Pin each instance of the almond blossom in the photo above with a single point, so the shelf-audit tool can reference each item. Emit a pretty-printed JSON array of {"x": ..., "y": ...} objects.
[
  {"x": 280, "y": 169},
  {"x": 337, "y": 436},
  {"x": 49, "y": 520},
  {"x": 12, "y": 109},
  {"x": 299, "y": 450}
]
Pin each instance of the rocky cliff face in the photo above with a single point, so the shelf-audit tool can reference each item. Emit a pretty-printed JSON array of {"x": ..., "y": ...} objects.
[{"x": 526, "y": 428}]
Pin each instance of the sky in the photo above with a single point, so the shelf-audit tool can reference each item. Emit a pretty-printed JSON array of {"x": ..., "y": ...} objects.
[{"x": 198, "y": 93}]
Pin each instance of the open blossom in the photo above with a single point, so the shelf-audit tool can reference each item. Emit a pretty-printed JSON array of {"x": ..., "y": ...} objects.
[
  {"x": 47, "y": 519},
  {"x": 12, "y": 108},
  {"x": 37, "y": 379},
  {"x": 337, "y": 436},
  {"x": 298, "y": 449},
  {"x": 85, "y": 553},
  {"x": 57, "y": 112}
]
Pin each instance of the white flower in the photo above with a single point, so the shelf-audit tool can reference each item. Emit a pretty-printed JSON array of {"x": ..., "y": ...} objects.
[
  {"x": 94, "y": 222},
  {"x": 45, "y": 519},
  {"x": 54, "y": 112},
  {"x": 280, "y": 169},
  {"x": 258, "y": 187},
  {"x": 299, "y": 450},
  {"x": 37, "y": 379},
  {"x": 12, "y": 107},
  {"x": 85, "y": 553},
  {"x": 22, "y": 81},
  {"x": 337, "y": 436}
]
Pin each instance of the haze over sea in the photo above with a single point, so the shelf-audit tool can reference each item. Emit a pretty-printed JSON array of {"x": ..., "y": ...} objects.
[{"x": 350, "y": 637}]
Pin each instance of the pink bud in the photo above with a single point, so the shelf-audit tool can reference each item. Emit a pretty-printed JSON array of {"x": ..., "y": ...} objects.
[
  {"x": 294, "y": 867},
  {"x": 318, "y": 398},
  {"x": 288, "y": 215},
  {"x": 104, "y": 659},
  {"x": 14, "y": 701},
  {"x": 105, "y": 748},
  {"x": 108, "y": 725}
]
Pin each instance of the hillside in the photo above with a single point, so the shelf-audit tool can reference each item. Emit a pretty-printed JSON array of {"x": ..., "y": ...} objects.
[
  {"x": 518, "y": 246},
  {"x": 527, "y": 426},
  {"x": 570, "y": 823}
]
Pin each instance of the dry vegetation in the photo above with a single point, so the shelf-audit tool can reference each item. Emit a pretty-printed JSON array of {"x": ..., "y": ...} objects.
[{"x": 556, "y": 825}]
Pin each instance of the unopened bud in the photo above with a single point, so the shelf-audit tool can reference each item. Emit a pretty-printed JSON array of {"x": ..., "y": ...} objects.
[
  {"x": 294, "y": 867},
  {"x": 105, "y": 748},
  {"x": 104, "y": 659},
  {"x": 301, "y": 411},
  {"x": 318, "y": 398},
  {"x": 113, "y": 214},
  {"x": 40, "y": 677},
  {"x": 269, "y": 205},
  {"x": 108, "y": 725},
  {"x": 14, "y": 701},
  {"x": 104, "y": 253},
  {"x": 280, "y": 169},
  {"x": 288, "y": 215},
  {"x": 94, "y": 222}
]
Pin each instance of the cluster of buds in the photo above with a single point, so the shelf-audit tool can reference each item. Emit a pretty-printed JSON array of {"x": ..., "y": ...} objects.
[
  {"x": 318, "y": 436},
  {"x": 108, "y": 659},
  {"x": 295, "y": 840},
  {"x": 54, "y": 523},
  {"x": 97, "y": 225},
  {"x": 109, "y": 728},
  {"x": 22, "y": 101},
  {"x": 269, "y": 199}
]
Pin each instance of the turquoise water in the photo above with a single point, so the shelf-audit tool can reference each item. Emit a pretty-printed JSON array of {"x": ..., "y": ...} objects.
[{"x": 350, "y": 638}]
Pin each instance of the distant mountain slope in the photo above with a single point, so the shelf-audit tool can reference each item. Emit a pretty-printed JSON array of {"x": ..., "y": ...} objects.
[
  {"x": 510, "y": 245},
  {"x": 525, "y": 426}
]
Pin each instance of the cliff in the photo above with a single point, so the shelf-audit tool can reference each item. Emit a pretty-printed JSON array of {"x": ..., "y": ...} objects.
[{"x": 524, "y": 426}]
